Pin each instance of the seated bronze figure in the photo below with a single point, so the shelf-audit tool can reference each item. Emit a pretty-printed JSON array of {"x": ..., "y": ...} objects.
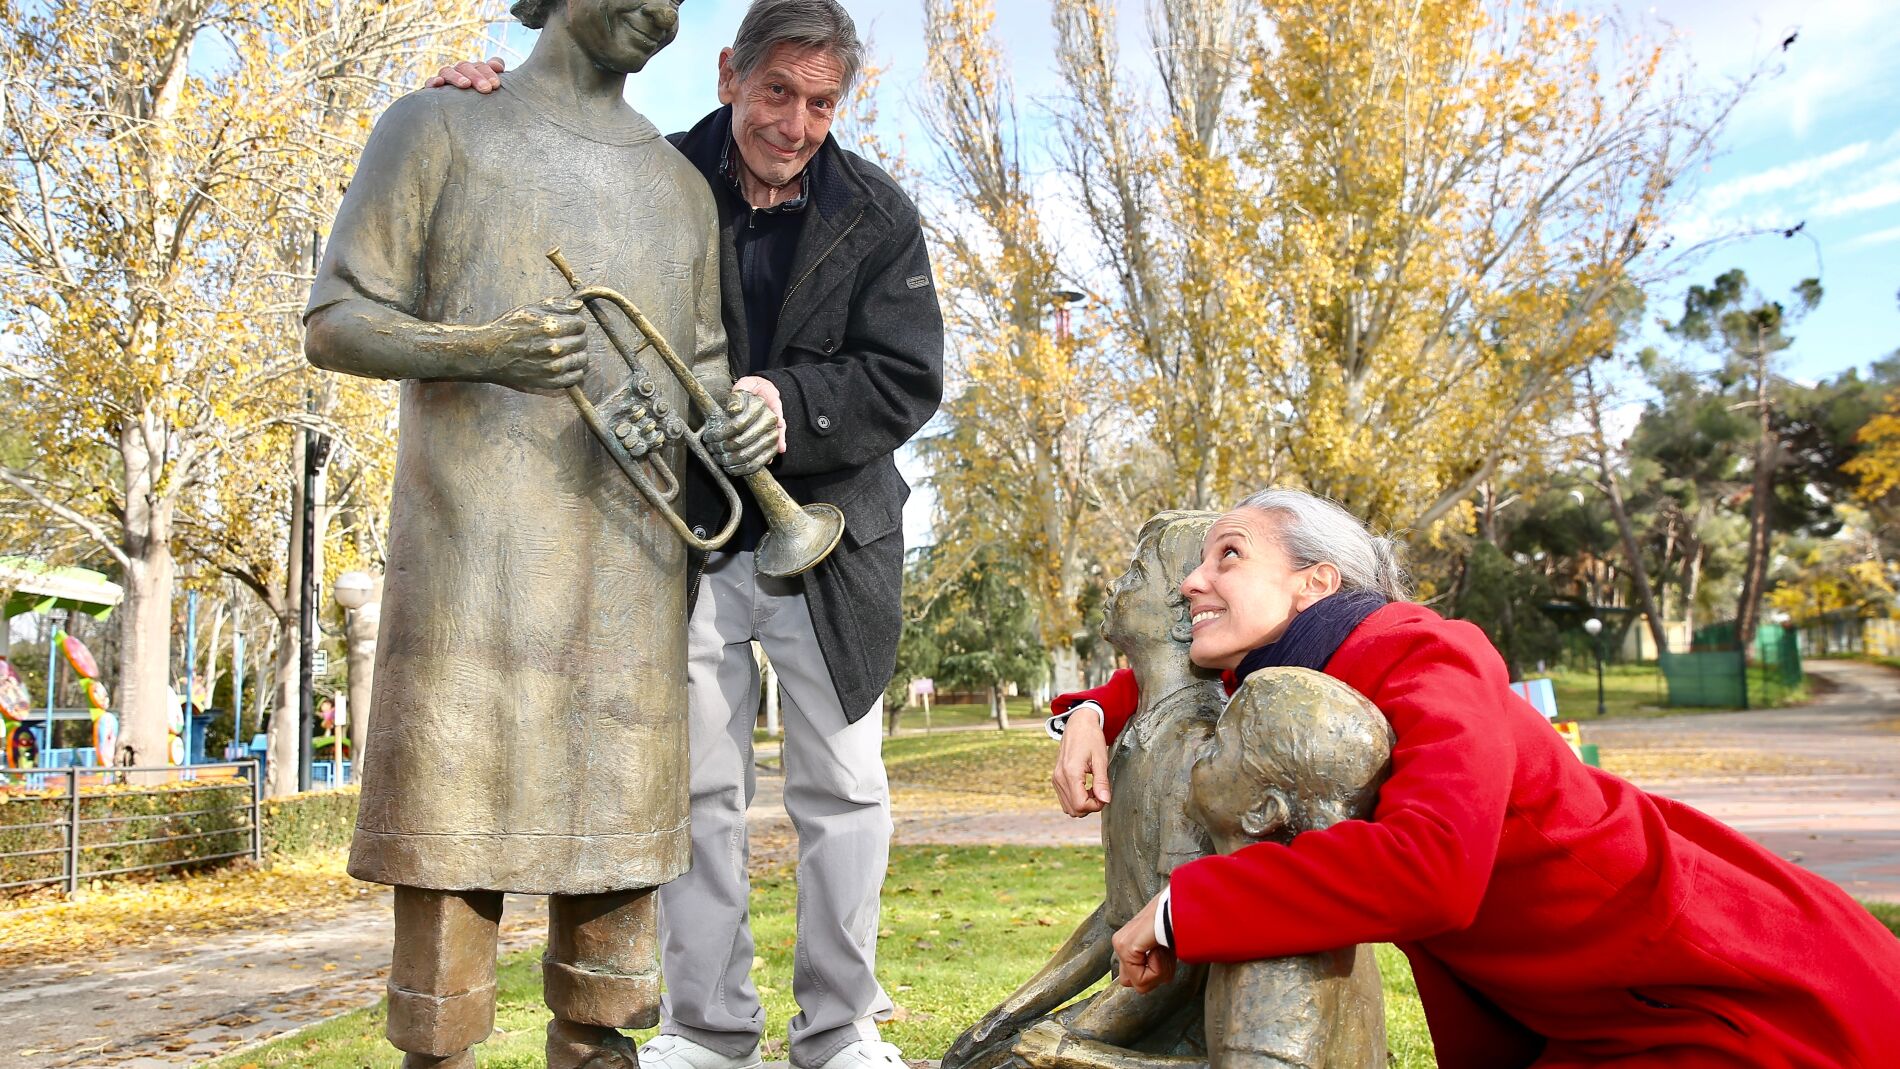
[{"x": 1294, "y": 750}]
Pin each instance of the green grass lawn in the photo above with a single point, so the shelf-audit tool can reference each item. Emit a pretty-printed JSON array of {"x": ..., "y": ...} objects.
[
  {"x": 1638, "y": 690},
  {"x": 1628, "y": 690},
  {"x": 1024, "y": 715},
  {"x": 988, "y": 762},
  {"x": 961, "y": 927}
]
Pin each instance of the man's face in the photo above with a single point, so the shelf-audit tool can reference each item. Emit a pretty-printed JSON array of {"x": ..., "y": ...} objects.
[
  {"x": 621, "y": 35},
  {"x": 782, "y": 110}
]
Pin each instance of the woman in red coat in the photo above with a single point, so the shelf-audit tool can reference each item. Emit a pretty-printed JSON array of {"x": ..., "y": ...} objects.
[{"x": 1555, "y": 915}]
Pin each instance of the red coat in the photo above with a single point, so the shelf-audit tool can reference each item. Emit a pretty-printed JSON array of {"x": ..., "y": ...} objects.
[{"x": 1539, "y": 897}]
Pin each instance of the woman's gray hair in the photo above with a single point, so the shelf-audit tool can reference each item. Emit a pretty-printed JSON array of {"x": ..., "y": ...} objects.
[
  {"x": 1313, "y": 530},
  {"x": 819, "y": 24}
]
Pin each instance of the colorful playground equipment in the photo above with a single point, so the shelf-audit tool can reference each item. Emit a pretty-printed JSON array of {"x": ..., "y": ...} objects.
[{"x": 27, "y": 731}]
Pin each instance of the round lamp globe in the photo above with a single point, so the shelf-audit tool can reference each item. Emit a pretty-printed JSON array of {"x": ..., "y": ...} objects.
[{"x": 353, "y": 589}]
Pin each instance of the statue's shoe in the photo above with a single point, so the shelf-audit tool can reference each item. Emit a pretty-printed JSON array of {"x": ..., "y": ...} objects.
[
  {"x": 459, "y": 1060},
  {"x": 585, "y": 1046}
]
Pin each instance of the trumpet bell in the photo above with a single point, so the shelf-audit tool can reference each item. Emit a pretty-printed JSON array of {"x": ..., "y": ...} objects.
[{"x": 795, "y": 546}]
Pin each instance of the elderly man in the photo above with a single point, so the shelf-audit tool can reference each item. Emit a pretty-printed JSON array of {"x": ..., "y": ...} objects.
[{"x": 829, "y": 302}]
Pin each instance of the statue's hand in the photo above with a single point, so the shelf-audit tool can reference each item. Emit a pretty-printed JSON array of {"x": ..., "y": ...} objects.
[
  {"x": 983, "y": 1042},
  {"x": 751, "y": 433},
  {"x": 536, "y": 347},
  {"x": 468, "y": 74},
  {"x": 638, "y": 430}
]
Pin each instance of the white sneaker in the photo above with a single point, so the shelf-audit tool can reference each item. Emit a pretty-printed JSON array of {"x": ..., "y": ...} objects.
[
  {"x": 678, "y": 1052},
  {"x": 864, "y": 1054}
]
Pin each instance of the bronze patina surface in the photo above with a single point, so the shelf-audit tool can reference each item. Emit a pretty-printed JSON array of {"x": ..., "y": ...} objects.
[
  {"x": 529, "y": 709},
  {"x": 1146, "y": 831},
  {"x": 1294, "y": 750}
]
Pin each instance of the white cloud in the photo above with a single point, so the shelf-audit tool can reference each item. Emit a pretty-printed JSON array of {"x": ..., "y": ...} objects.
[
  {"x": 1726, "y": 195},
  {"x": 1878, "y": 237}
]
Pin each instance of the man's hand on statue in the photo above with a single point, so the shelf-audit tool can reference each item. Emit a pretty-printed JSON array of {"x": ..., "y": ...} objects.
[
  {"x": 1081, "y": 773},
  {"x": 537, "y": 347},
  {"x": 1144, "y": 964},
  {"x": 468, "y": 74},
  {"x": 745, "y": 440},
  {"x": 765, "y": 390}
]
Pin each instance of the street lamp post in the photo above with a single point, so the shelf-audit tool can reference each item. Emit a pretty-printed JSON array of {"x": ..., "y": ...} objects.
[
  {"x": 1062, "y": 299},
  {"x": 1594, "y": 627}
]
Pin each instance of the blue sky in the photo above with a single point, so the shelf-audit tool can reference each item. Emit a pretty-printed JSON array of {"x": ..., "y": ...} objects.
[{"x": 1818, "y": 142}]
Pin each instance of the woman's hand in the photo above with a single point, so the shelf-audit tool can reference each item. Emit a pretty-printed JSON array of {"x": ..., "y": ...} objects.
[
  {"x": 1144, "y": 964},
  {"x": 1081, "y": 775}
]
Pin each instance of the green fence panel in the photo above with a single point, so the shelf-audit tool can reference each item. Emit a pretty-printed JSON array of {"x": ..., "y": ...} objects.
[{"x": 1711, "y": 678}]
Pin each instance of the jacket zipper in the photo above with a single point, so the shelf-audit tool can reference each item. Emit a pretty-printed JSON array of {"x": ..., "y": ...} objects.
[{"x": 822, "y": 257}]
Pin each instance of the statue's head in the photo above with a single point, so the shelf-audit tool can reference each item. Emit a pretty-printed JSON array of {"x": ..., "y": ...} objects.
[
  {"x": 1145, "y": 604},
  {"x": 616, "y": 35},
  {"x": 1293, "y": 751}
]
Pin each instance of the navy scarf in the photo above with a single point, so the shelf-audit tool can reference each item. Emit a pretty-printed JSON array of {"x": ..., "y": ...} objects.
[{"x": 1313, "y": 636}]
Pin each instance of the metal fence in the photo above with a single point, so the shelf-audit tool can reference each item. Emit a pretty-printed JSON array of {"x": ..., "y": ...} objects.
[
  {"x": 217, "y": 817},
  {"x": 1711, "y": 675}
]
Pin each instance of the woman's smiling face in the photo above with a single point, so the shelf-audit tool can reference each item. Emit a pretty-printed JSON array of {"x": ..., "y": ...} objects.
[{"x": 1247, "y": 590}]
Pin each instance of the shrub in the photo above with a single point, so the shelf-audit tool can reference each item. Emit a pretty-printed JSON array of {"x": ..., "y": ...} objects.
[
  {"x": 216, "y": 816},
  {"x": 302, "y": 823},
  {"x": 117, "y": 821}
]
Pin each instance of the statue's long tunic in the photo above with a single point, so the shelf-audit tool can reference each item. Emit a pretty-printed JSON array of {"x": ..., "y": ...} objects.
[{"x": 528, "y": 730}]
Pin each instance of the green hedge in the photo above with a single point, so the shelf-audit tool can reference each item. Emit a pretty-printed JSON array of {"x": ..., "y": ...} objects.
[
  {"x": 302, "y": 823},
  {"x": 217, "y": 813}
]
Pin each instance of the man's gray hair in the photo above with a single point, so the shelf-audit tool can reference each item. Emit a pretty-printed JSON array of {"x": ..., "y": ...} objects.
[
  {"x": 819, "y": 24},
  {"x": 1313, "y": 530}
]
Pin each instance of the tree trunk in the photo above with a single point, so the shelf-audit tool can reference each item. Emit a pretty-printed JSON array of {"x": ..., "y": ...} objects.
[
  {"x": 145, "y": 616},
  {"x": 281, "y": 779},
  {"x": 1759, "y": 517},
  {"x": 1694, "y": 584},
  {"x": 1639, "y": 574},
  {"x": 999, "y": 710},
  {"x": 361, "y": 660}
]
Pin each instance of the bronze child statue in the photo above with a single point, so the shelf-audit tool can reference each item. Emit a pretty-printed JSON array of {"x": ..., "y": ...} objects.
[
  {"x": 528, "y": 723},
  {"x": 1293, "y": 750},
  {"x": 1145, "y": 833}
]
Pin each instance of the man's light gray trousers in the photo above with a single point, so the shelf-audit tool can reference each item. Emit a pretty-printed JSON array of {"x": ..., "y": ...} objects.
[{"x": 838, "y": 801}]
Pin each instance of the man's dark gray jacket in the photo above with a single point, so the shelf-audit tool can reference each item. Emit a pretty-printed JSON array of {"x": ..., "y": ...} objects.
[{"x": 858, "y": 361}]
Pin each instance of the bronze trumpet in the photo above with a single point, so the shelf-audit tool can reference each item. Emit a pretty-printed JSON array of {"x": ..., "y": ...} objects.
[{"x": 796, "y": 537}]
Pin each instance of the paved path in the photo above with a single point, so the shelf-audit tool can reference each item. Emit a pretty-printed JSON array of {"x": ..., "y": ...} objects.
[
  {"x": 1830, "y": 801},
  {"x": 1840, "y": 815}
]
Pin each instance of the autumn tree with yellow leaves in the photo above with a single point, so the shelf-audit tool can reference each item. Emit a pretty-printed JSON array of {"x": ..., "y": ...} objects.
[
  {"x": 169, "y": 166},
  {"x": 1364, "y": 246},
  {"x": 1018, "y": 469},
  {"x": 1461, "y": 192}
]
